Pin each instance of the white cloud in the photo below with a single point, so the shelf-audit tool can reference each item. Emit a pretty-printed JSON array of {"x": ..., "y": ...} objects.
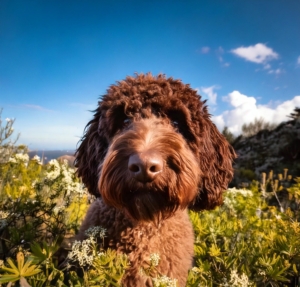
[
  {"x": 245, "y": 109},
  {"x": 209, "y": 92},
  {"x": 205, "y": 50},
  {"x": 238, "y": 100},
  {"x": 276, "y": 72},
  {"x": 298, "y": 60},
  {"x": 258, "y": 53},
  {"x": 220, "y": 52}
]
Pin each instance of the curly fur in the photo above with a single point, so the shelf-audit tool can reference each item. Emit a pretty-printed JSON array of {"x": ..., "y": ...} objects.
[{"x": 165, "y": 118}]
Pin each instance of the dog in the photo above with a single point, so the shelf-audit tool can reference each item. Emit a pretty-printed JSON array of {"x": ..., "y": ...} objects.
[{"x": 150, "y": 153}]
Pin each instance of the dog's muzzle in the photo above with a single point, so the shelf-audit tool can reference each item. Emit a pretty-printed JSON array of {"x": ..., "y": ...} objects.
[{"x": 146, "y": 166}]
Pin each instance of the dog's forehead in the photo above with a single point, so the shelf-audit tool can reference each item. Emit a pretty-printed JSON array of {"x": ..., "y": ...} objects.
[
  {"x": 160, "y": 106},
  {"x": 151, "y": 122},
  {"x": 148, "y": 94}
]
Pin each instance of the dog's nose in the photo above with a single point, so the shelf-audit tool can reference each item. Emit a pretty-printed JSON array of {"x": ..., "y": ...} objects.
[{"x": 145, "y": 166}]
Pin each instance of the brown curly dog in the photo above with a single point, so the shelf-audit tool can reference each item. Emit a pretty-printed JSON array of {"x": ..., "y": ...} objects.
[{"x": 150, "y": 153}]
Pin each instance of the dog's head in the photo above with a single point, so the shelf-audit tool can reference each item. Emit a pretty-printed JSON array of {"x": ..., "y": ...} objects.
[{"x": 151, "y": 148}]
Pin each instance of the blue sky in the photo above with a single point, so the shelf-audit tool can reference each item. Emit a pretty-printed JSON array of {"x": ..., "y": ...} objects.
[{"x": 58, "y": 57}]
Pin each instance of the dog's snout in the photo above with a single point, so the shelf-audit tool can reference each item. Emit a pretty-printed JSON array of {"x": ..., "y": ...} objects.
[{"x": 145, "y": 166}]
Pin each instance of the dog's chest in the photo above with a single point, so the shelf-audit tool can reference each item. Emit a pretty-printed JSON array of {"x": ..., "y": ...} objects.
[
  {"x": 145, "y": 237},
  {"x": 172, "y": 241}
]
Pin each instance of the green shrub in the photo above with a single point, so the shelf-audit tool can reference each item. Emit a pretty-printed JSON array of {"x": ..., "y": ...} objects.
[
  {"x": 38, "y": 202},
  {"x": 245, "y": 243},
  {"x": 242, "y": 243}
]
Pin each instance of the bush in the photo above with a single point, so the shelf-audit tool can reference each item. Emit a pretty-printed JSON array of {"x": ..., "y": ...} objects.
[
  {"x": 242, "y": 243},
  {"x": 228, "y": 135},
  {"x": 246, "y": 243},
  {"x": 256, "y": 126}
]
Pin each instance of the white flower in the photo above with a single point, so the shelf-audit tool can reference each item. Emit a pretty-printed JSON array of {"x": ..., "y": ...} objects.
[
  {"x": 195, "y": 270},
  {"x": 33, "y": 184},
  {"x": 154, "y": 259},
  {"x": 68, "y": 181},
  {"x": 79, "y": 188},
  {"x": 54, "y": 170},
  {"x": 24, "y": 157},
  {"x": 96, "y": 231},
  {"x": 12, "y": 159},
  {"x": 243, "y": 192},
  {"x": 230, "y": 199},
  {"x": 37, "y": 159},
  {"x": 67, "y": 176},
  {"x": 19, "y": 157},
  {"x": 239, "y": 281},
  {"x": 82, "y": 252},
  {"x": 8, "y": 120},
  {"x": 166, "y": 281}
]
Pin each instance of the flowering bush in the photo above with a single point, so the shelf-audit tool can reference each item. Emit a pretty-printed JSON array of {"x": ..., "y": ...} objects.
[
  {"x": 246, "y": 243},
  {"x": 37, "y": 202}
]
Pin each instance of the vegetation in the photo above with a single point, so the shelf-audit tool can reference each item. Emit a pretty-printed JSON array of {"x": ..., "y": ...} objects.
[
  {"x": 296, "y": 114},
  {"x": 275, "y": 150},
  {"x": 7, "y": 144},
  {"x": 246, "y": 243},
  {"x": 228, "y": 135},
  {"x": 251, "y": 240},
  {"x": 256, "y": 126}
]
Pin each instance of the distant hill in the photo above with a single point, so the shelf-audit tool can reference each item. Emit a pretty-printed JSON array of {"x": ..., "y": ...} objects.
[
  {"x": 47, "y": 155},
  {"x": 268, "y": 150}
]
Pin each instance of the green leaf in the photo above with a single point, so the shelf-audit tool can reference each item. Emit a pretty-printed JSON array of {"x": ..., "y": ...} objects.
[
  {"x": 295, "y": 269},
  {"x": 9, "y": 278}
]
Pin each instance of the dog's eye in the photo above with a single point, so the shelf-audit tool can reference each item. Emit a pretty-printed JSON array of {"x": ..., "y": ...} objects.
[
  {"x": 175, "y": 124},
  {"x": 126, "y": 123}
]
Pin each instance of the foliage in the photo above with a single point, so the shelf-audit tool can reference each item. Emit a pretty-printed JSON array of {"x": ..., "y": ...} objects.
[
  {"x": 296, "y": 114},
  {"x": 20, "y": 270},
  {"x": 245, "y": 243},
  {"x": 228, "y": 135},
  {"x": 7, "y": 144},
  {"x": 269, "y": 150},
  {"x": 36, "y": 201},
  {"x": 279, "y": 190},
  {"x": 254, "y": 127},
  {"x": 242, "y": 177}
]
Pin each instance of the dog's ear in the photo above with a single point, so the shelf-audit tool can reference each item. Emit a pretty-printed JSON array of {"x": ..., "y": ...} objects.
[
  {"x": 90, "y": 153},
  {"x": 216, "y": 156}
]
